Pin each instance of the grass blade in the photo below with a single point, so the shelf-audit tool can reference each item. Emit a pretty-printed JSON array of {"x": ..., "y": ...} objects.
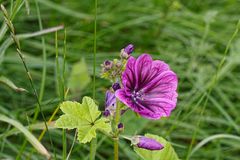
[{"x": 29, "y": 136}]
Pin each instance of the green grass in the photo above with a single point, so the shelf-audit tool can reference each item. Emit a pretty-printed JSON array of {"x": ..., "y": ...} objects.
[{"x": 189, "y": 35}]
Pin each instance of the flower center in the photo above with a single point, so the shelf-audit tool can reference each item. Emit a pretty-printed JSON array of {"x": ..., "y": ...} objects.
[{"x": 137, "y": 95}]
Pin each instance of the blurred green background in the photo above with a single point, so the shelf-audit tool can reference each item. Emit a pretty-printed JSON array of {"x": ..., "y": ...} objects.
[{"x": 190, "y": 35}]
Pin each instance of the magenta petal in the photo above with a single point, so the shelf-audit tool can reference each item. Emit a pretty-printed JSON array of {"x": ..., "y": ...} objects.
[
  {"x": 160, "y": 66},
  {"x": 128, "y": 77},
  {"x": 142, "y": 68},
  {"x": 165, "y": 80},
  {"x": 123, "y": 97}
]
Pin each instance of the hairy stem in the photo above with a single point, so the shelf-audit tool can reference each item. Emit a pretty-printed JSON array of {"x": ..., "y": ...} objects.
[
  {"x": 93, "y": 147},
  {"x": 116, "y": 136},
  {"x": 116, "y": 149}
]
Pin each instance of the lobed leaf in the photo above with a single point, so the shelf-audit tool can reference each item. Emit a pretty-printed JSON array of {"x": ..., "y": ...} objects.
[
  {"x": 84, "y": 117},
  {"x": 90, "y": 109}
]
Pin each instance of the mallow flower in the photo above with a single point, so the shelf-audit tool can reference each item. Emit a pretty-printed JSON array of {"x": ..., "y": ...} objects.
[
  {"x": 146, "y": 143},
  {"x": 149, "y": 87}
]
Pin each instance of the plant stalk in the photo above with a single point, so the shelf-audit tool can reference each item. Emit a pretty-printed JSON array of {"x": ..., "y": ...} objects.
[
  {"x": 116, "y": 136},
  {"x": 93, "y": 147}
]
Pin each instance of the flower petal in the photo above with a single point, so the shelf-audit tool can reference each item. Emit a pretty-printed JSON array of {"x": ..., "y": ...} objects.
[
  {"x": 142, "y": 69},
  {"x": 128, "y": 76},
  {"x": 160, "y": 107},
  {"x": 121, "y": 95},
  {"x": 164, "y": 82}
]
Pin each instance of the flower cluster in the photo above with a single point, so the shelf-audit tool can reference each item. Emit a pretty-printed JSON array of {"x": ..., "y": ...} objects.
[
  {"x": 112, "y": 70},
  {"x": 146, "y": 86}
]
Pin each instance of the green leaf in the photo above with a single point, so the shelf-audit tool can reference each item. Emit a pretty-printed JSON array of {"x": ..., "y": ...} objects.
[
  {"x": 167, "y": 153},
  {"x": 79, "y": 77},
  {"x": 86, "y": 133},
  {"x": 90, "y": 109},
  {"x": 10, "y": 84},
  {"x": 84, "y": 117}
]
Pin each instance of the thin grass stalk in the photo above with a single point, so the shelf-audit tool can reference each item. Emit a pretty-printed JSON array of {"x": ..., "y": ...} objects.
[
  {"x": 14, "y": 10},
  {"x": 64, "y": 137},
  {"x": 93, "y": 145},
  {"x": 43, "y": 80},
  {"x": 70, "y": 151},
  {"x": 18, "y": 48},
  {"x": 212, "y": 85}
]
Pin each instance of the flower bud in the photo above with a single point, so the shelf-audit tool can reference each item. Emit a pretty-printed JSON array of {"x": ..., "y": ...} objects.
[
  {"x": 125, "y": 52},
  {"x": 120, "y": 126},
  {"x": 118, "y": 64},
  {"x": 107, "y": 65},
  {"x": 146, "y": 143},
  {"x": 106, "y": 113},
  {"x": 129, "y": 49},
  {"x": 116, "y": 86}
]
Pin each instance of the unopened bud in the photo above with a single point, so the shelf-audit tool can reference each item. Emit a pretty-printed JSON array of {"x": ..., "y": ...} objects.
[
  {"x": 106, "y": 113},
  {"x": 120, "y": 126},
  {"x": 107, "y": 65},
  {"x": 116, "y": 86},
  {"x": 118, "y": 64},
  {"x": 146, "y": 143},
  {"x": 129, "y": 49},
  {"x": 125, "y": 52}
]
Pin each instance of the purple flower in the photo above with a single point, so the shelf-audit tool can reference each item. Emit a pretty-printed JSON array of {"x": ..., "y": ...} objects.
[
  {"x": 147, "y": 143},
  {"x": 110, "y": 104},
  {"x": 116, "y": 86},
  {"x": 149, "y": 87},
  {"x": 129, "y": 49}
]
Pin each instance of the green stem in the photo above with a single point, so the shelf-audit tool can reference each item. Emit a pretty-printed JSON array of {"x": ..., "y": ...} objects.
[
  {"x": 64, "y": 139},
  {"x": 117, "y": 116},
  {"x": 93, "y": 147},
  {"x": 116, "y": 149},
  {"x": 64, "y": 134},
  {"x": 116, "y": 136},
  {"x": 95, "y": 51}
]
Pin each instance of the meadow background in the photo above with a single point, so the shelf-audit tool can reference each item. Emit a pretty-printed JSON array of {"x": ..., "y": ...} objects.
[{"x": 198, "y": 39}]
